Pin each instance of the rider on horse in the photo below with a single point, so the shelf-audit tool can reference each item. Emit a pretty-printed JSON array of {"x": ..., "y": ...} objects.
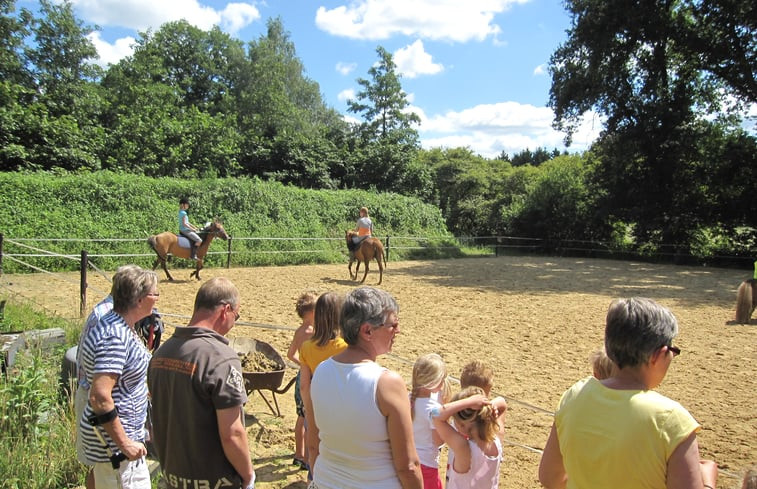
[
  {"x": 187, "y": 230},
  {"x": 364, "y": 229}
]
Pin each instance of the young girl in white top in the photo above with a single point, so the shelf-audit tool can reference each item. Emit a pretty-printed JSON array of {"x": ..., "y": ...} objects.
[
  {"x": 475, "y": 450},
  {"x": 429, "y": 383}
]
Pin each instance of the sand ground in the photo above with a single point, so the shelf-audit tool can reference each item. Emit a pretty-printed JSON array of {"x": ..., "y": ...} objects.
[{"x": 535, "y": 320}]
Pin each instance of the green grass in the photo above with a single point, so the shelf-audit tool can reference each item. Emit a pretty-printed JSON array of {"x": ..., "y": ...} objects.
[{"x": 37, "y": 427}]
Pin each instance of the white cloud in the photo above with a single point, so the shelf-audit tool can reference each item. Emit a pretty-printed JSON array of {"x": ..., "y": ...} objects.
[
  {"x": 350, "y": 119},
  {"x": 143, "y": 14},
  {"x": 540, "y": 70},
  {"x": 112, "y": 53},
  {"x": 413, "y": 60},
  {"x": 345, "y": 95},
  {"x": 508, "y": 126},
  {"x": 345, "y": 68},
  {"x": 237, "y": 16},
  {"x": 452, "y": 20}
]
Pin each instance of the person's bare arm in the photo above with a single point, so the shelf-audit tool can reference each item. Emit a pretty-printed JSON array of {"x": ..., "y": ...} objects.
[
  {"x": 294, "y": 347},
  {"x": 454, "y": 440},
  {"x": 311, "y": 432},
  {"x": 233, "y": 435},
  {"x": 101, "y": 400},
  {"x": 391, "y": 397},
  {"x": 552, "y": 473},
  {"x": 685, "y": 470}
]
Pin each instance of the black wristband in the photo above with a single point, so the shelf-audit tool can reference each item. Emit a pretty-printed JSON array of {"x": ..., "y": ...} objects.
[{"x": 98, "y": 419}]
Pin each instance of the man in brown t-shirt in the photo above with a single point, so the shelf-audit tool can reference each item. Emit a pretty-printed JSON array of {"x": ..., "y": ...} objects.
[{"x": 195, "y": 379}]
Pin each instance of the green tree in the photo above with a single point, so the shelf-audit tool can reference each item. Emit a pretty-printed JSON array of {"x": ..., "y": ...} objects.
[
  {"x": 644, "y": 75},
  {"x": 172, "y": 104},
  {"x": 13, "y": 30},
  {"x": 468, "y": 188},
  {"x": 50, "y": 100},
  {"x": 558, "y": 204},
  {"x": 387, "y": 143},
  {"x": 289, "y": 133},
  {"x": 382, "y": 104}
]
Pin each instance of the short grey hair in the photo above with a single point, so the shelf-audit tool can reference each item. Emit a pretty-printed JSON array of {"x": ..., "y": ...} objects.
[
  {"x": 130, "y": 284},
  {"x": 214, "y": 292},
  {"x": 635, "y": 328},
  {"x": 365, "y": 305}
]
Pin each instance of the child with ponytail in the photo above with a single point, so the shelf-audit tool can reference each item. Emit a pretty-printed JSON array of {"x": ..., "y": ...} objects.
[{"x": 429, "y": 384}]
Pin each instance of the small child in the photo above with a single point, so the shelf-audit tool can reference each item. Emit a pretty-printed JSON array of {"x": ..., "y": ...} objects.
[
  {"x": 305, "y": 308},
  {"x": 601, "y": 364},
  {"x": 476, "y": 373},
  {"x": 429, "y": 382},
  {"x": 475, "y": 448}
]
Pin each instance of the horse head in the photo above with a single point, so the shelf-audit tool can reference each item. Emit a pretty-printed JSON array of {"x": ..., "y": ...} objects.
[
  {"x": 349, "y": 234},
  {"x": 216, "y": 228}
]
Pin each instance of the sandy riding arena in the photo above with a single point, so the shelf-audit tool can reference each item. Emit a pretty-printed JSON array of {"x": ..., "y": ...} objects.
[{"x": 535, "y": 320}]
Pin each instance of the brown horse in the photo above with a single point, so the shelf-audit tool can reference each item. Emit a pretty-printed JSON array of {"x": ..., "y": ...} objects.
[
  {"x": 168, "y": 243},
  {"x": 367, "y": 250},
  {"x": 746, "y": 300}
]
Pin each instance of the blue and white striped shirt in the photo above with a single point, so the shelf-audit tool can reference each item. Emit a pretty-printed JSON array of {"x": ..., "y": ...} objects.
[{"x": 112, "y": 347}]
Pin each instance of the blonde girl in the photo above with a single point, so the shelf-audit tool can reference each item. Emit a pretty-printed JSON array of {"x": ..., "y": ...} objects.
[
  {"x": 430, "y": 387},
  {"x": 475, "y": 450}
]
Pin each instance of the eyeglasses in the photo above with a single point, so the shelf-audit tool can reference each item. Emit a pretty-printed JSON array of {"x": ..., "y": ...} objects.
[
  {"x": 156, "y": 294},
  {"x": 393, "y": 325},
  {"x": 674, "y": 350},
  {"x": 236, "y": 314}
]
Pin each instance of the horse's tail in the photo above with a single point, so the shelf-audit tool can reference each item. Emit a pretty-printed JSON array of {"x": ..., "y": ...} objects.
[
  {"x": 380, "y": 254},
  {"x": 744, "y": 301}
]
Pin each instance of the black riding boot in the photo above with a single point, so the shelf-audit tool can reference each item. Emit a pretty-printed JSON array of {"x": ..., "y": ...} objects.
[{"x": 193, "y": 252}]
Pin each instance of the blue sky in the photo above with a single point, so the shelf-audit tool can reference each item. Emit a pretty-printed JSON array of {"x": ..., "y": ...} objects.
[{"x": 475, "y": 71}]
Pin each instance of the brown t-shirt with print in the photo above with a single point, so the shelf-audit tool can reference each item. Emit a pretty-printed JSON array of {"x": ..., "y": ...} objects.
[{"x": 192, "y": 375}]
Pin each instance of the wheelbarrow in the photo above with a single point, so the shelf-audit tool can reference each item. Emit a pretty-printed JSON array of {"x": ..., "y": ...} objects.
[{"x": 270, "y": 379}]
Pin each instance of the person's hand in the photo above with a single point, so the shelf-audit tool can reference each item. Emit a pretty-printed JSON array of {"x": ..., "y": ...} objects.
[
  {"x": 477, "y": 401},
  {"x": 134, "y": 449},
  {"x": 251, "y": 484}
]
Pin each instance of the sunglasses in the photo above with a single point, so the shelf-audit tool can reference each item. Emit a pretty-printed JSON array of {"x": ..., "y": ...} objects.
[{"x": 675, "y": 350}]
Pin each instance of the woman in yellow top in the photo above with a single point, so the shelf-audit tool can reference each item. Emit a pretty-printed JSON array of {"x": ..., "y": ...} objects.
[
  {"x": 325, "y": 343},
  {"x": 618, "y": 432}
]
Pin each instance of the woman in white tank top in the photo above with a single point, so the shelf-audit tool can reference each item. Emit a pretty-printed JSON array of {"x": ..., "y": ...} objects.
[{"x": 362, "y": 415}]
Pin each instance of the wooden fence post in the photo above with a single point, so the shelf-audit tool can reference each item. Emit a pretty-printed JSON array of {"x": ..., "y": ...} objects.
[
  {"x": 387, "y": 248},
  {"x": 1, "y": 253},
  {"x": 228, "y": 256},
  {"x": 83, "y": 284}
]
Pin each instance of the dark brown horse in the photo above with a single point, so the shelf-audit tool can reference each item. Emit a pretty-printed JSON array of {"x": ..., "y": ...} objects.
[
  {"x": 746, "y": 300},
  {"x": 168, "y": 243},
  {"x": 367, "y": 250}
]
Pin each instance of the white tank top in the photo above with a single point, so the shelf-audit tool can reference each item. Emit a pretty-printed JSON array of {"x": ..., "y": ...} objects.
[{"x": 354, "y": 440}]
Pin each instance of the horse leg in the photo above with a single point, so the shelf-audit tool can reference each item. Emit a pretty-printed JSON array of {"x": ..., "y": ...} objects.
[
  {"x": 162, "y": 261},
  {"x": 367, "y": 262},
  {"x": 381, "y": 268},
  {"x": 197, "y": 269},
  {"x": 349, "y": 267}
]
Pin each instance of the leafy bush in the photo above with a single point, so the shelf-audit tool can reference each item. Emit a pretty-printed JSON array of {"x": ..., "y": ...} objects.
[{"x": 121, "y": 211}]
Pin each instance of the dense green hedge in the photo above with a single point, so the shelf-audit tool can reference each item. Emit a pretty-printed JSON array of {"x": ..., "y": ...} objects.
[{"x": 110, "y": 205}]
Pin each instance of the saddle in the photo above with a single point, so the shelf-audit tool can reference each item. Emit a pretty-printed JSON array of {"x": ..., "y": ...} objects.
[{"x": 183, "y": 241}]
